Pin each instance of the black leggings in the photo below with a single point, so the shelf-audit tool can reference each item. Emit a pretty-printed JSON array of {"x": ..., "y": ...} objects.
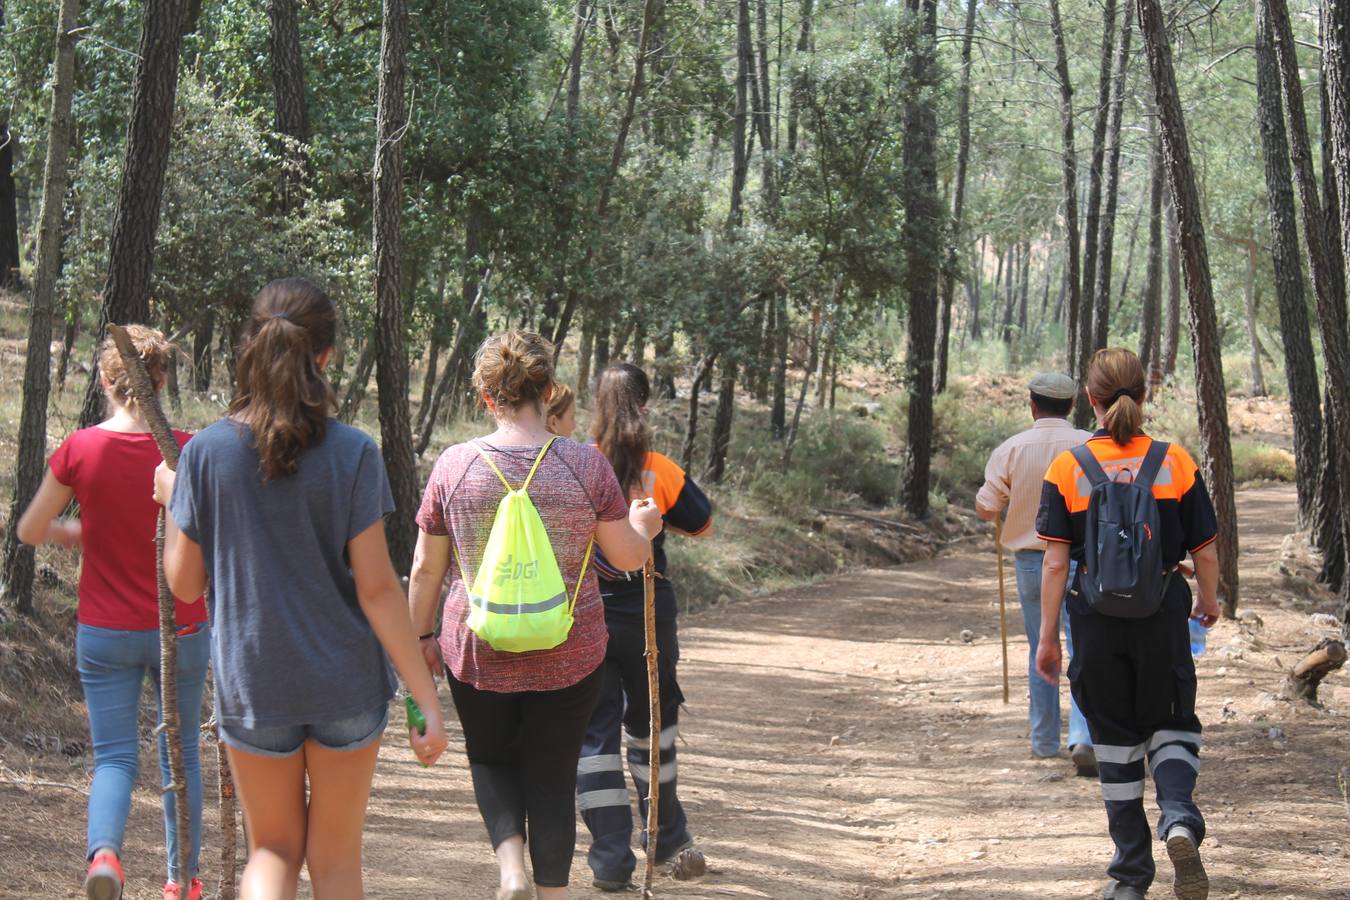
[{"x": 523, "y": 749}]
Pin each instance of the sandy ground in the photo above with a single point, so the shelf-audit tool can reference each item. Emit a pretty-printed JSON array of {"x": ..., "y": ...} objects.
[{"x": 842, "y": 741}]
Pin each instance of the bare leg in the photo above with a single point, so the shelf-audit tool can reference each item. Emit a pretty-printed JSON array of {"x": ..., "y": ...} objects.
[
  {"x": 339, "y": 789},
  {"x": 272, "y": 794}
]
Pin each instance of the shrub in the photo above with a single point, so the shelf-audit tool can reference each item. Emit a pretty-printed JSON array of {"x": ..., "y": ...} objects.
[{"x": 1253, "y": 461}]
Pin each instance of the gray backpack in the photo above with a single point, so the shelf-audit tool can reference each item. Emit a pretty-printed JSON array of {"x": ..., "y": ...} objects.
[{"x": 1122, "y": 573}]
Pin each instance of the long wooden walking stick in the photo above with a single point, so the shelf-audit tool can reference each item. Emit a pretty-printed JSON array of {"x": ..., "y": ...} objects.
[
  {"x": 654, "y": 704},
  {"x": 147, "y": 400},
  {"x": 143, "y": 392},
  {"x": 1002, "y": 602}
]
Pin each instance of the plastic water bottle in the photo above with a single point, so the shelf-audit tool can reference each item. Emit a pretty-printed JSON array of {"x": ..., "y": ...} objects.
[{"x": 1198, "y": 635}]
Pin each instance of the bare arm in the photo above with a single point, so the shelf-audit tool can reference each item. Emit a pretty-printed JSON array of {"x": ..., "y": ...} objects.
[
  {"x": 382, "y": 601},
  {"x": 1054, "y": 580},
  {"x": 39, "y": 523},
  {"x": 626, "y": 543},
  {"x": 184, "y": 565},
  {"x": 705, "y": 533},
  {"x": 1206, "y": 561},
  {"x": 431, "y": 560}
]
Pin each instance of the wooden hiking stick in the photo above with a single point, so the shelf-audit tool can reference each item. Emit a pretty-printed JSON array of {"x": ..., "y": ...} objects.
[
  {"x": 143, "y": 391},
  {"x": 654, "y": 704},
  {"x": 1002, "y": 602}
]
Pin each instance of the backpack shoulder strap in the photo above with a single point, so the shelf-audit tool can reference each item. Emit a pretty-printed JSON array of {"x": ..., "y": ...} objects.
[
  {"x": 1089, "y": 464},
  {"x": 1152, "y": 464},
  {"x": 493, "y": 466},
  {"x": 537, "y": 460}
]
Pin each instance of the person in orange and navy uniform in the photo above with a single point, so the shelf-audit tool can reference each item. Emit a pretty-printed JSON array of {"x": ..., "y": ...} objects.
[
  {"x": 1134, "y": 678},
  {"x": 620, "y": 429}
]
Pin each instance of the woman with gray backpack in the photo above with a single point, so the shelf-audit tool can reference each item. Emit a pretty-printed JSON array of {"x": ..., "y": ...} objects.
[{"x": 1128, "y": 510}]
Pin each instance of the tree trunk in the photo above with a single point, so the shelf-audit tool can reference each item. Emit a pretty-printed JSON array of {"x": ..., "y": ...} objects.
[
  {"x": 584, "y": 356},
  {"x": 977, "y": 296},
  {"x": 30, "y": 462},
  {"x": 1069, "y": 163},
  {"x": 803, "y": 389},
  {"x": 202, "y": 338},
  {"x": 1010, "y": 294},
  {"x": 705, "y": 368},
  {"x": 1217, "y": 457},
  {"x": 958, "y": 200},
  {"x": 782, "y": 331},
  {"x": 1331, "y": 309},
  {"x": 1150, "y": 337},
  {"x": 1172, "y": 326},
  {"x": 1101, "y": 316},
  {"x": 131, "y": 246},
  {"x": 650, "y": 10},
  {"x": 922, "y": 230},
  {"x": 9, "y": 206},
  {"x": 1124, "y": 293},
  {"x": 1092, "y": 225},
  {"x": 288, "y": 91},
  {"x": 721, "y": 433},
  {"x": 396, "y": 443},
  {"x": 1300, "y": 365},
  {"x": 1251, "y": 297},
  {"x": 72, "y": 331},
  {"x": 1024, "y": 292}
]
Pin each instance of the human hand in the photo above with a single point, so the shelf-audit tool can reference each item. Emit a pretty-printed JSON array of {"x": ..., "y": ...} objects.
[
  {"x": 1205, "y": 610},
  {"x": 645, "y": 518},
  {"x": 1048, "y": 658},
  {"x": 428, "y": 745},
  {"x": 67, "y": 533},
  {"x": 164, "y": 481},
  {"x": 1186, "y": 570},
  {"x": 431, "y": 652}
]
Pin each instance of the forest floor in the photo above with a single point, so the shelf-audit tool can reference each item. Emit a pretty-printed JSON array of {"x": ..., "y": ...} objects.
[{"x": 842, "y": 741}]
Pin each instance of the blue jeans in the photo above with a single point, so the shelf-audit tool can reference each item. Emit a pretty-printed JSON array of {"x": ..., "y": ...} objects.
[
  {"x": 113, "y": 664},
  {"x": 1043, "y": 712}
]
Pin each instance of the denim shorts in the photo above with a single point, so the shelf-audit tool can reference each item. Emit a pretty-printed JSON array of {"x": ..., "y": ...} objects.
[{"x": 352, "y": 733}]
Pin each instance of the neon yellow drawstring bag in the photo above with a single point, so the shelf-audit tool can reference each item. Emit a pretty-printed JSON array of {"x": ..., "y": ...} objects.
[{"x": 518, "y": 601}]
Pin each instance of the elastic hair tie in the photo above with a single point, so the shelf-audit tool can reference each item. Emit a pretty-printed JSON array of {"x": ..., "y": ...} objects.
[
  {"x": 280, "y": 315},
  {"x": 1123, "y": 392}
]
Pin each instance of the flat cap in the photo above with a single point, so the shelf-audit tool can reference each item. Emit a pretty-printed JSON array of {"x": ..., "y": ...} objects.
[{"x": 1054, "y": 386}]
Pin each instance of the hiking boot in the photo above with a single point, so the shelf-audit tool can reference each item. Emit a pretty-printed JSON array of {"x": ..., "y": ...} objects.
[
  {"x": 611, "y": 885},
  {"x": 1189, "y": 881},
  {"x": 174, "y": 891},
  {"x": 1084, "y": 760},
  {"x": 1117, "y": 891},
  {"x": 104, "y": 879}
]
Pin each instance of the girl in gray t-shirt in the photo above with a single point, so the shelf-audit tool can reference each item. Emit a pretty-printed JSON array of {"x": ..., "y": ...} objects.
[{"x": 282, "y": 509}]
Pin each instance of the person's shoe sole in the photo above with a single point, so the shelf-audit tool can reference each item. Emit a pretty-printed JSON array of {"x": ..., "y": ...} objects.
[
  {"x": 102, "y": 885},
  {"x": 1189, "y": 881},
  {"x": 1084, "y": 760},
  {"x": 611, "y": 887}
]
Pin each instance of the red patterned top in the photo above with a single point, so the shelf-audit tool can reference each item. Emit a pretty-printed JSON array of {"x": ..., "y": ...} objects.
[{"x": 574, "y": 489}]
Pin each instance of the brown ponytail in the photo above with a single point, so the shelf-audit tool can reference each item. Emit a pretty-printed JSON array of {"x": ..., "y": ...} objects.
[
  {"x": 1115, "y": 381},
  {"x": 281, "y": 393},
  {"x": 618, "y": 426}
]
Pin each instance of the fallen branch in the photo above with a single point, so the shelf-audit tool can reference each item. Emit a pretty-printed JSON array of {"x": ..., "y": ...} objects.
[
  {"x": 24, "y": 782},
  {"x": 915, "y": 530},
  {"x": 1328, "y": 656}
]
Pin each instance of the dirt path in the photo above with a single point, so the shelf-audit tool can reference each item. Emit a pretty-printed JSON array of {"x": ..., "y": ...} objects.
[{"x": 841, "y": 741}]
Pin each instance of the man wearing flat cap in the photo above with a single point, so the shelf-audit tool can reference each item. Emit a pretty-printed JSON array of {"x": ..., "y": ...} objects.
[{"x": 1013, "y": 479}]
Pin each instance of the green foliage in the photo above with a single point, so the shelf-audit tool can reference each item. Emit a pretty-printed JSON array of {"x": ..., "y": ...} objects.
[{"x": 1253, "y": 461}]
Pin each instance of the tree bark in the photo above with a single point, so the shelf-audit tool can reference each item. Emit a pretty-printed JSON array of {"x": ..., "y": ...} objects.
[
  {"x": 1172, "y": 325},
  {"x": 30, "y": 461},
  {"x": 1101, "y": 316},
  {"x": 958, "y": 200},
  {"x": 804, "y": 388},
  {"x": 9, "y": 206},
  {"x": 1331, "y": 309},
  {"x": 1092, "y": 225},
  {"x": 1216, "y": 456},
  {"x": 288, "y": 91},
  {"x": 1300, "y": 365},
  {"x": 1251, "y": 297},
  {"x": 131, "y": 246},
  {"x": 1150, "y": 338},
  {"x": 923, "y": 226},
  {"x": 1069, "y": 164},
  {"x": 391, "y": 364}
]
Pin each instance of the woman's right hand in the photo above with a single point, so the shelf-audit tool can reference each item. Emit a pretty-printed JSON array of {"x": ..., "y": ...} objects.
[
  {"x": 645, "y": 518},
  {"x": 164, "y": 479},
  {"x": 431, "y": 652},
  {"x": 430, "y": 744}
]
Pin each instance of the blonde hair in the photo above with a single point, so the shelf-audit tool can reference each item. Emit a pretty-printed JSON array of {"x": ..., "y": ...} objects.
[
  {"x": 515, "y": 369},
  {"x": 155, "y": 351},
  {"x": 1115, "y": 380},
  {"x": 560, "y": 400}
]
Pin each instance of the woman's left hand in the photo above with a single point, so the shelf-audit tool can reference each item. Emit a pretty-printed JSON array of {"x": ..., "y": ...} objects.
[
  {"x": 430, "y": 744},
  {"x": 164, "y": 481}
]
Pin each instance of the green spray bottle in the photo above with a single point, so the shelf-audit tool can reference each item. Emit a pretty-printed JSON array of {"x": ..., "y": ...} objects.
[{"x": 415, "y": 718}]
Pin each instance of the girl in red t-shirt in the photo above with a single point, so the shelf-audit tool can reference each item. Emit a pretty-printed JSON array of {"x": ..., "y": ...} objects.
[{"x": 109, "y": 469}]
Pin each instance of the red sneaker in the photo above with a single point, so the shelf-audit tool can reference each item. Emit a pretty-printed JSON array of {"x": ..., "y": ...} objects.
[
  {"x": 173, "y": 890},
  {"x": 104, "y": 879}
]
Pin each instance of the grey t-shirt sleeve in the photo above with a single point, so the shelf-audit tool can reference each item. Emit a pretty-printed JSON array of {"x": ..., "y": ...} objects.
[
  {"x": 371, "y": 497},
  {"x": 188, "y": 497}
]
